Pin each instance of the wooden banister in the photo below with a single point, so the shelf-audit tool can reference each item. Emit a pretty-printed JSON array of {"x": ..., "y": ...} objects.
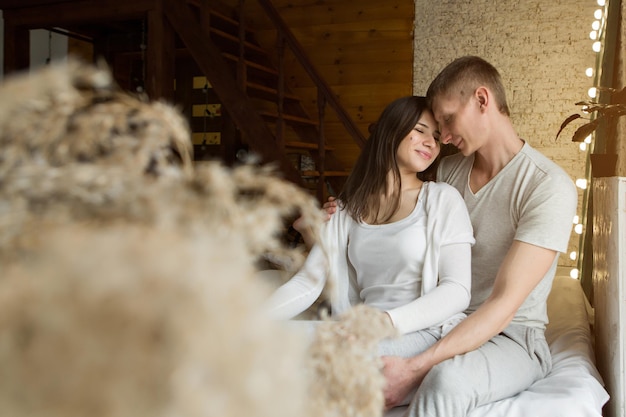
[{"x": 303, "y": 59}]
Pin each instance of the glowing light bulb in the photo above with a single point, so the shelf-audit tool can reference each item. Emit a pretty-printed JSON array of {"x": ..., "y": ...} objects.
[
  {"x": 598, "y": 14},
  {"x": 595, "y": 25},
  {"x": 588, "y": 139},
  {"x": 574, "y": 273},
  {"x": 601, "y": 3},
  {"x": 597, "y": 45},
  {"x": 578, "y": 229},
  {"x": 573, "y": 255},
  {"x": 593, "y": 35},
  {"x": 581, "y": 183},
  {"x": 592, "y": 92},
  {"x": 576, "y": 219},
  {"x": 583, "y": 146}
]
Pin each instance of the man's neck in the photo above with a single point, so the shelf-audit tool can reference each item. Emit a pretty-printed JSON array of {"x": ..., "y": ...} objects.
[{"x": 494, "y": 155}]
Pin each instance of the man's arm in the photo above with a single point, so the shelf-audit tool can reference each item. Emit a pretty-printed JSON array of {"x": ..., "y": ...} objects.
[{"x": 522, "y": 269}]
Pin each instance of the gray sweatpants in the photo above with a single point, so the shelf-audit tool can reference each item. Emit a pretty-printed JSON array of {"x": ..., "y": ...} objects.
[
  {"x": 501, "y": 368},
  {"x": 405, "y": 346}
]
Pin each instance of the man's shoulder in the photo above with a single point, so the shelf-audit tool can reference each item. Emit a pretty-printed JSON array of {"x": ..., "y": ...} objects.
[
  {"x": 550, "y": 171},
  {"x": 541, "y": 161}
]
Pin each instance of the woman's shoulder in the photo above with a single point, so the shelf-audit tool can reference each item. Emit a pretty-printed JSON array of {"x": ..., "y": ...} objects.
[
  {"x": 442, "y": 193},
  {"x": 442, "y": 188}
]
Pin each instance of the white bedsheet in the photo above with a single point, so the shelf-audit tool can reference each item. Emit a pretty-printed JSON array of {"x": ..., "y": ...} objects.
[{"x": 574, "y": 387}]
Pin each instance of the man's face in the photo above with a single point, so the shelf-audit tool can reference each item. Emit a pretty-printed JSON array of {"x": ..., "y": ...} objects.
[{"x": 457, "y": 121}]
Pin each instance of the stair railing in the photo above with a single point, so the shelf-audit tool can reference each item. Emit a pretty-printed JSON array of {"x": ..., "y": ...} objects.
[{"x": 324, "y": 89}]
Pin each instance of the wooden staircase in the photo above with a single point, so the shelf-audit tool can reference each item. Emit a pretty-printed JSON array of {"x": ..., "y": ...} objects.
[
  {"x": 240, "y": 93},
  {"x": 258, "y": 73}
]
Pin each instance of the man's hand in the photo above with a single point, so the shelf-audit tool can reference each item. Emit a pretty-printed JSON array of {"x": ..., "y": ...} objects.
[
  {"x": 330, "y": 207},
  {"x": 402, "y": 376}
]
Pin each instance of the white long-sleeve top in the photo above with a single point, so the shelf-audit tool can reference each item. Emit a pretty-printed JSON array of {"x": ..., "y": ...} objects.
[{"x": 417, "y": 269}]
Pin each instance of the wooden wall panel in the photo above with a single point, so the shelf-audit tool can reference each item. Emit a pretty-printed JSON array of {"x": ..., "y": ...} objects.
[{"x": 364, "y": 50}]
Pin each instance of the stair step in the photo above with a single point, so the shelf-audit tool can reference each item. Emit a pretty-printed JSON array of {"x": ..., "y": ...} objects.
[
  {"x": 220, "y": 16},
  {"x": 326, "y": 173},
  {"x": 233, "y": 38},
  {"x": 289, "y": 118},
  {"x": 251, "y": 64},
  {"x": 305, "y": 145},
  {"x": 269, "y": 93}
]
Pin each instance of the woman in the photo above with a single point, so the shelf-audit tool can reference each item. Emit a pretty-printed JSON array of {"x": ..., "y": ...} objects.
[{"x": 397, "y": 242}]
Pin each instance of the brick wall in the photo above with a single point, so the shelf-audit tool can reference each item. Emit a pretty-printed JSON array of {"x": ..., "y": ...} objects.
[{"x": 541, "y": 49}]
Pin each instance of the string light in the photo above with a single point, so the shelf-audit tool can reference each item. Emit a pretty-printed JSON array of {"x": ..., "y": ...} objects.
[
  {"x": 592, "y": 92},
  {"x": 597, "y": 46},
  {"x": 596, "y": 36}
]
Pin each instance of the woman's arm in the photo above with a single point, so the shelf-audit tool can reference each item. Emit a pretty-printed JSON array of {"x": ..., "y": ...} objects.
[
  {"x": 451, "y": 296},
  {"x": 301, "y": 291}
]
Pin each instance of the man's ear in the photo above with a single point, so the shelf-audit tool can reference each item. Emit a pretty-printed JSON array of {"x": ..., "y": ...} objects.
[{"x": 482, "y": 97}]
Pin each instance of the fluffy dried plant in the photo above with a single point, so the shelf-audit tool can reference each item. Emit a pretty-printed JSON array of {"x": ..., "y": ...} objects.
[
  {"x": 346, "y": 369},
  {"x": 128, "y": 283},
  {"x": 70, "y": 112},
  {"x": 135, "y": 321}
]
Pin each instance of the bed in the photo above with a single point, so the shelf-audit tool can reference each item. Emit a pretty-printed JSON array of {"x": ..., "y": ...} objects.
[{"x": 574, "y": 387}]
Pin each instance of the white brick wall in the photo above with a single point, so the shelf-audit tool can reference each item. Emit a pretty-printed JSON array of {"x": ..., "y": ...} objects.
[{"x": 541, "y": 49}]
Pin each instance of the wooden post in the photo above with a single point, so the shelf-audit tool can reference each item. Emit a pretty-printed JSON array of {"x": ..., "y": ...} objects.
[
  {"x": 242, "y": 75},
  {"x": 160, "y": 55},
  {"x": 321, "y": 109},
  {"x": 16, "y": 46},
  {"x": 280, "y": 122}
]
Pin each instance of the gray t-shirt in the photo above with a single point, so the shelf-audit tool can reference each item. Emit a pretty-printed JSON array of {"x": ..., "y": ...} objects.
[{"x": 531, "y": 200}]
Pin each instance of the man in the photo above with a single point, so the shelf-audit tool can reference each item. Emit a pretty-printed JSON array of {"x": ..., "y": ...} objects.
[{"x": 521, "y": 206}]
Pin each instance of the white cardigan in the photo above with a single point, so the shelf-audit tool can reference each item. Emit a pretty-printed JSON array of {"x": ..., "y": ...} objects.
[{"x": 447, "y": 223}]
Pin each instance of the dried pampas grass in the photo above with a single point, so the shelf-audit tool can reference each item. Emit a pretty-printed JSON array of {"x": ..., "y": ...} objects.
[
  {"x": 131, "y": 321},
  {"x": 128, "y": 281},
  {"x": 346, "y": 370},
  {"x": 70, "y": 112}
]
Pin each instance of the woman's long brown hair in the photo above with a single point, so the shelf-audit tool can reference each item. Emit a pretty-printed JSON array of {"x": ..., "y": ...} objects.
[{"x": 368, "y": 180}]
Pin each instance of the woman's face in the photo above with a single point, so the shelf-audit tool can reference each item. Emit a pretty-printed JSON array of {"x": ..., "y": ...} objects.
[{"x": 419, "y": 149}]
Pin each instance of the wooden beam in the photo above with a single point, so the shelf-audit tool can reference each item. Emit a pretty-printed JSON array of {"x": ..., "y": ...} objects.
[
  {"x": 209, "y": 60},
  {"x": 82, "y": 11},
  {"x": 19, "y": 4}
]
